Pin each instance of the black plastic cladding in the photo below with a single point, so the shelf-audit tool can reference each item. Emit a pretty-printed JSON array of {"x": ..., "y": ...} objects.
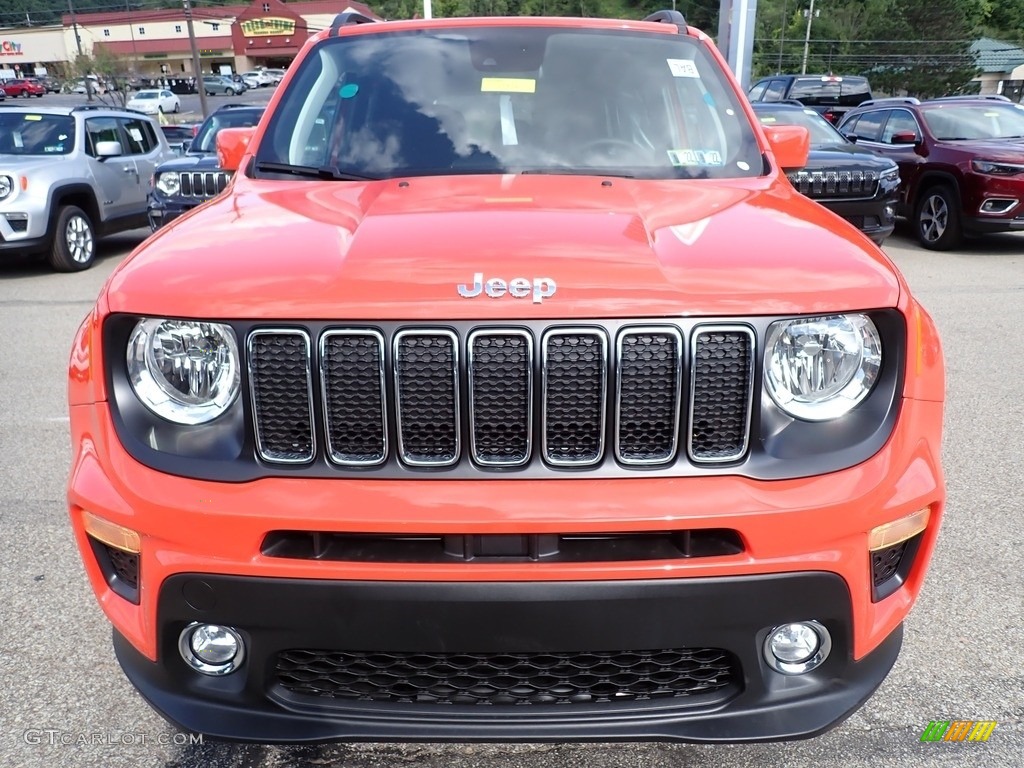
[{"x": 780, "y": 447}]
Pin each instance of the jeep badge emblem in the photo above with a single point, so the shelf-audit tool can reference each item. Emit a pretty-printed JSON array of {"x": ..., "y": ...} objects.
[{"x": 518, "y": 288}]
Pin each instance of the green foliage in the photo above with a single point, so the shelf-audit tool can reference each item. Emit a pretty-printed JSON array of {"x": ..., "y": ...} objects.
[{"x": 917, "y": 47}]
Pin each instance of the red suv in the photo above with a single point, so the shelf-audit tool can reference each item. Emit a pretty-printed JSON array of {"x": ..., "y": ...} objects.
[
  {"x": 509, "y": 391},
  {"x": 961, "y": 162}
]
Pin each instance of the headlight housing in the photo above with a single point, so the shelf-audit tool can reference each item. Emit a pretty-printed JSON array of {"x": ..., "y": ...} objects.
[
  {"x": 6, "y": 187},
  {"x": 820, "y": 368},
  {"x": 169, "y": 183},
  {"x": 995, "y": 168},
  {"x": 890, "y": 174},
  {"x": 185, "y": 371}
]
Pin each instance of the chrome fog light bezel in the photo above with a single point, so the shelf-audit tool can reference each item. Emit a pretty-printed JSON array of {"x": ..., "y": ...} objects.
[
  {"x": 808, "y": 664},
  {"x": 186, "y": 649}
]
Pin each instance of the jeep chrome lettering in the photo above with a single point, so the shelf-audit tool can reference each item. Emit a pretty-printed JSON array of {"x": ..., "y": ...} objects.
[{"x": 518, "y": 288}]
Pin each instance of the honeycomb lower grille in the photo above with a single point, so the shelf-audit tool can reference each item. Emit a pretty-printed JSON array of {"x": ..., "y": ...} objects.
[{"x": 507, "y": 679}]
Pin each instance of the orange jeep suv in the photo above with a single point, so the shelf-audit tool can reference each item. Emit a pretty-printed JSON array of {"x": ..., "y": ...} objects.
[{"x": 510, "y": 392}]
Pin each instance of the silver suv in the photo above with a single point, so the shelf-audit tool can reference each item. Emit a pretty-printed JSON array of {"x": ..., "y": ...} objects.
[{"x": 71, "y": 175}]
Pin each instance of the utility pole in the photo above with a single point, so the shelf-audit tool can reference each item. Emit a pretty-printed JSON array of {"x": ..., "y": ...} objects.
[
  {"x": 807, "y": 38},
  {"x": 197, "y": 68},
  {"x": 78, "y": 42}
]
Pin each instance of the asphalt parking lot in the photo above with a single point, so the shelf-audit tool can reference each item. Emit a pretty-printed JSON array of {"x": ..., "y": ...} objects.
[{"x": 66, "y": 702}]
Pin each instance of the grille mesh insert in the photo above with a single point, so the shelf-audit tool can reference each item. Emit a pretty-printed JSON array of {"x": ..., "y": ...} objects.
[
  {"x": 574, "y": 397},
  {"x": 500, "y": 376},
  {"x": 279, "y": 368},
  {"x": 648, "y": 397},
  {"x": 722, "y": 369},
  {"x": 427, "y": 397},
  {"x": 353, "y": 368},
  {"x": 503, "y": 679}
]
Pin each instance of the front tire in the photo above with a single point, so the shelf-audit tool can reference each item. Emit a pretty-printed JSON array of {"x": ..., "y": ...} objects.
[
  {"x": 74, "y": 241},
  {"x": 937, "y": 219}
]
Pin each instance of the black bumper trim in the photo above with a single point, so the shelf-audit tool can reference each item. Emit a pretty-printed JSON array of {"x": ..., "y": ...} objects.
[{"x": 733, "y": 613}]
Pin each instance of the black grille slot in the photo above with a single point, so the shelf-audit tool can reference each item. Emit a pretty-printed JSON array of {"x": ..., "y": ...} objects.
[
  {"x": 508, "y": 679},
  {"x": 634, "y": 546},
  {"x": 722, "y": 362},
  {"x": 426, "y": 381},
  {"x": 352, "y": 366},
  {"x": 575, "y": 372},
  {"x": 886, "y": 562},
  {"x": 648, "y": 401},
  {"x": 501, "y": 388},
  {"x": 279, "y": 371}
]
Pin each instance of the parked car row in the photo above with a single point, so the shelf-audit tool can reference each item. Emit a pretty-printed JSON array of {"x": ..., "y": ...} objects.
[
  {"x": 25, "y": 87},
  {"x": 959, "y": 159}
]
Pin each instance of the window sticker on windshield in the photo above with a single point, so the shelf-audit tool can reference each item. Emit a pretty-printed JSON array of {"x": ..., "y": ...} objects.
[
  {"x": 766, "y": 119},
  {"x": 33, "y": 117},
  {"x": 682, "y": 68},
  {"x": 682, "y": 157},
  {"x": 508, "y": 85},
  {"x": 991, "y": 114},
  {"x": 348, "y": 90},
  {"x": 135, "y": 133}
]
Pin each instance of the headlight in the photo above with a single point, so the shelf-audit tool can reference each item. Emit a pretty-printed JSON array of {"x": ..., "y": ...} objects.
[
  {"x": 819, "y": 368},
  {"x": 890, "y": 174},
  {"x": 185, "y": 371},
  {"x": 993, "y": 168},
  {"x": 168, "y": 183},
  {"x": 6, "y": 187}
]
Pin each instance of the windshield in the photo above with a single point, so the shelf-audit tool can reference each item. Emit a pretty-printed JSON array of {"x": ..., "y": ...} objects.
[
  {"x": 512, "y": 99},
  {"x": 146, "y": 95},
  {"x": 206, "y": 140},
  {"x": 976, "y": 121},
  {"x": 34, "y": 134},
  {"x": 821, "y": 130}
]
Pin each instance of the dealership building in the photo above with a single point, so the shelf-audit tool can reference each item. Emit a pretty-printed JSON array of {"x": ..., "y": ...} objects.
[{"x": 263, "y": 33}]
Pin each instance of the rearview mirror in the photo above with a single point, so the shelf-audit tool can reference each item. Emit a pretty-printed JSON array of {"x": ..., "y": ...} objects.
[
  {"x": 232, "y": 144},
  {"x": 904, "y": 137},
  {"x": 790, "y": 144},
  {"x": 106, "y": 149}
]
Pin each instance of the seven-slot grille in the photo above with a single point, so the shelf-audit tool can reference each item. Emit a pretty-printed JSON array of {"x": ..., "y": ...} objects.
[
  {"x": 203, "y": 183},
  {"x": 835, "y": 184},
  {"x": 412, "y": 397}
]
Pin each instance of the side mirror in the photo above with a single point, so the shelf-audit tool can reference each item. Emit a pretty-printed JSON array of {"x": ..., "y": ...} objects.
[
  {"x": 232, "y": 144},
  {"x": 851, "y": 137},
  {"x": 185, "y": 146},
  {"x": 790, "y": 144},
  {"x": 904, "y": 137},
  {"x": 106, "y": 149}
]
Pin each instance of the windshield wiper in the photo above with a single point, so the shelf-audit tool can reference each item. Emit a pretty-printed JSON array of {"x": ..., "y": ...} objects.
[
  {"x": 558, "y": 171},
  {"x": 313, "y": 172}
]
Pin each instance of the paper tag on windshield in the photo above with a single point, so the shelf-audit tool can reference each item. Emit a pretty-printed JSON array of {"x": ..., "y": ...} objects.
[{"x": 682, "y": 68}]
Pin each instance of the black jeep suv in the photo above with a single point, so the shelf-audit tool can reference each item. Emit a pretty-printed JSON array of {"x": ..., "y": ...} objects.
[
  {"x": 849, "y": 180},
  {"x": 181, "y": 184}
]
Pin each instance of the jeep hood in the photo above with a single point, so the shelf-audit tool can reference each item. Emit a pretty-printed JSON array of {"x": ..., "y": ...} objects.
[
  {"x": 191, "y": 162},
  {"x": 400, "y": 249}
]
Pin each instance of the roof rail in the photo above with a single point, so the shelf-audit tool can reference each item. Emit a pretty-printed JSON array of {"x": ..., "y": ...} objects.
[
  {"x": 669, "y": 17},
  {"x": 975, "y": 97},
  {"x": 891, "y": 100},
  {"x": 346, "y": 19}
]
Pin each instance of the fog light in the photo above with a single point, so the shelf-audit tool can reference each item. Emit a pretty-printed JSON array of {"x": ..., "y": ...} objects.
[
  {"x": 211, "y": 648},
  {"x": 793, "y": 649}
]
